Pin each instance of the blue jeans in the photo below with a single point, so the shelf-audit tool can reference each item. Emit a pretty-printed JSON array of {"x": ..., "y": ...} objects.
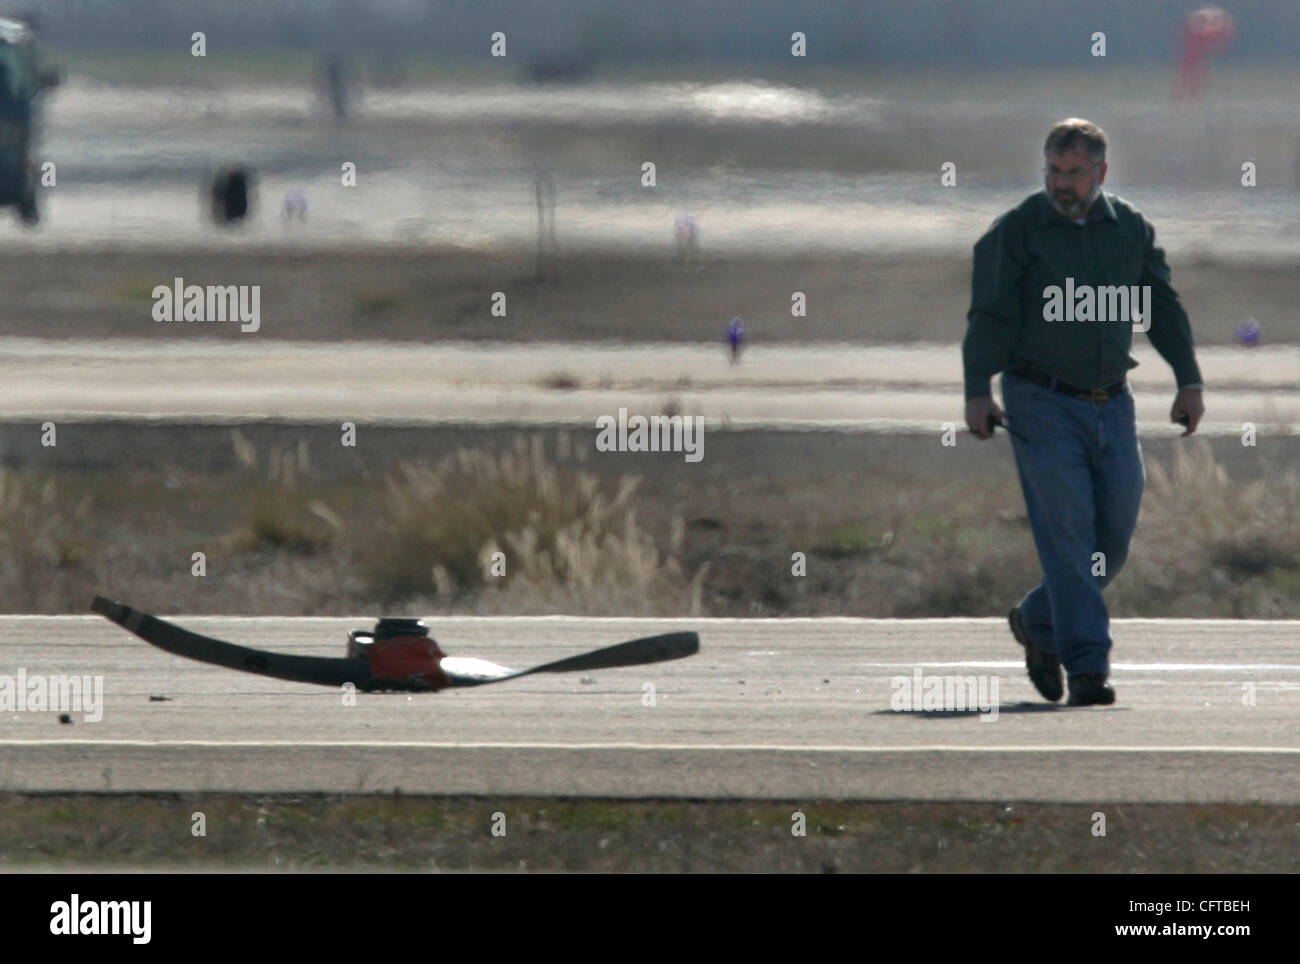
[{"x": 1081, "y": 470}]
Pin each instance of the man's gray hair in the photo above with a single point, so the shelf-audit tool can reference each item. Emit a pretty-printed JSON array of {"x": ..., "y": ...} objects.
[{"x": 1073, "y": 132}]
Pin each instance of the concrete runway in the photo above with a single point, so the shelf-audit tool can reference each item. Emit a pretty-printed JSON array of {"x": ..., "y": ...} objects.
[
  {"x": 913, "y": 388},
  {"x": 769, "y": 709}
]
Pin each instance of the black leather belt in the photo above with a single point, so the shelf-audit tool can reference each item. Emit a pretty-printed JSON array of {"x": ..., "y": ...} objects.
[{"x": 1088, "y": 395}]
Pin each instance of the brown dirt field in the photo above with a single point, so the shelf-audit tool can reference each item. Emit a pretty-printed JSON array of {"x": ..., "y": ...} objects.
[{"x": 425, "y": 294}]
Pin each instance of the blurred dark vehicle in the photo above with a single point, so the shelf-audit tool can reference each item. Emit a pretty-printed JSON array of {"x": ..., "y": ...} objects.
[
  {"x": 230, "y": 194},
  {"x": 22, "y": 80}
]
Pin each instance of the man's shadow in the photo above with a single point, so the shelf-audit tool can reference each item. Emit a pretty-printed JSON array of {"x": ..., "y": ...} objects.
[{"x": 1023, "y": 707}]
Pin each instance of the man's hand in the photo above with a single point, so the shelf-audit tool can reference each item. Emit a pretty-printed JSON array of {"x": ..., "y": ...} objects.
[
  {"x": 1188, "y": 409},
  {"x": 978, "y": 411}
]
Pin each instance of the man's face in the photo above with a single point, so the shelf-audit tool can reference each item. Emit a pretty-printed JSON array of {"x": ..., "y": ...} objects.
[{"x": 1074, "y": 180}]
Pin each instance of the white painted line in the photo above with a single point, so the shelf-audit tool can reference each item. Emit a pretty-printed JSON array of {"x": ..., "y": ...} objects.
[
  {"x": 657, "y": 747},
  {"x": 1127, "y": 667},
  {"x": 763, "y": 621}
]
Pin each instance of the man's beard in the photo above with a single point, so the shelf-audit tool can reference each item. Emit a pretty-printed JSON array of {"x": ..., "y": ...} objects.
[{"x": 1070, "y": 205}]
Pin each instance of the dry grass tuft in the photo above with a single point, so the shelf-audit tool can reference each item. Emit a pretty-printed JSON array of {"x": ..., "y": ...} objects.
[
  {"x": 1204, "y": 538},
  {"x": 42, "y": 541},
  {"x": 567, "y": 543},
  {"x": 280, "y": 516}
]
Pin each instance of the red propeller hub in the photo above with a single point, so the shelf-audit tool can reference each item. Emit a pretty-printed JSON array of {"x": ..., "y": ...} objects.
[{"x": 400, "y": 651}]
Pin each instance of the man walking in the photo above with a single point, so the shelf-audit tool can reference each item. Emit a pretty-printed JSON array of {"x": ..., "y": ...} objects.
[{"x": 1058, "y": 283}]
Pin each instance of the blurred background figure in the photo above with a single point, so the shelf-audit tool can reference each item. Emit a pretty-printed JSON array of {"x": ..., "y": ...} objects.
[
  {"x": 295, "y": 206},
  {"x": 13, "y": 98},
  {"x": 334, "y": 85},
  {"x": 547, "y": 268},
  {"x": 1248, "y": 333},
  {"x": 735, "y": 337},
  {"x": 1208, "y": 30},
  {"x": 22, "y": 80},
  {"x": 231, "y": 194},
  {"x": 686, "y": 232}
]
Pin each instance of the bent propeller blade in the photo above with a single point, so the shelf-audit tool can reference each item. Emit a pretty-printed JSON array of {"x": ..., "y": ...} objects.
[
  {"x": 336, "y": 671},
  {"x": 328, "y": 671},
  {"x": 467, "y": 671}
]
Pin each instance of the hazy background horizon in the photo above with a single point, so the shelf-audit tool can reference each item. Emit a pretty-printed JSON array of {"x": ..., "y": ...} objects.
[{"x": 964, "y": 33}]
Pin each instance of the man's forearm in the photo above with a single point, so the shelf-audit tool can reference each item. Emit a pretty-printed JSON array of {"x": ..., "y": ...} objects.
[
  {"x": 985, "y": 349},
  {"x": 1170, "y": 331},
  {"x": 1172, "y": 338}
]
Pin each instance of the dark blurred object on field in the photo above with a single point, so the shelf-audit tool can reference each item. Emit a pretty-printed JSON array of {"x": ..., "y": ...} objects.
[
  {"x": 231, "y": 194},
  {"x": 559, "y": 68},
  {"x": 334, "y": 84},
  {"x": 22, "y": 79}
]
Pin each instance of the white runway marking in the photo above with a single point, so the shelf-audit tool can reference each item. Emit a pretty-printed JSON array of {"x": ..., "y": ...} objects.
[
  {"x": 769, "y": 709},
  {"x": 662, "y": 747},
  {"x": 857, "y": 388}
]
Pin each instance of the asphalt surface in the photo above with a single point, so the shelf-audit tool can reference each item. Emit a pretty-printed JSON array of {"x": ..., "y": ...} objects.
[
  {"x": 1208, "y": 711},
  {"x": 912, "y": 388}
]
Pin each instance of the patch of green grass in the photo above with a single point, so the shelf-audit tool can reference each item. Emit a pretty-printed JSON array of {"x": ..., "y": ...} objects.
[
  {"x": 135, "y": 289},
  {"x": 940, "y": 528},
  {"x": 377, "y": 302},
  {"x": 853, "y": 539},
  {"x": 599, "y": 815},
  {"x": 309, "y": 832},
  {"x": 1286, "y": 582}
]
